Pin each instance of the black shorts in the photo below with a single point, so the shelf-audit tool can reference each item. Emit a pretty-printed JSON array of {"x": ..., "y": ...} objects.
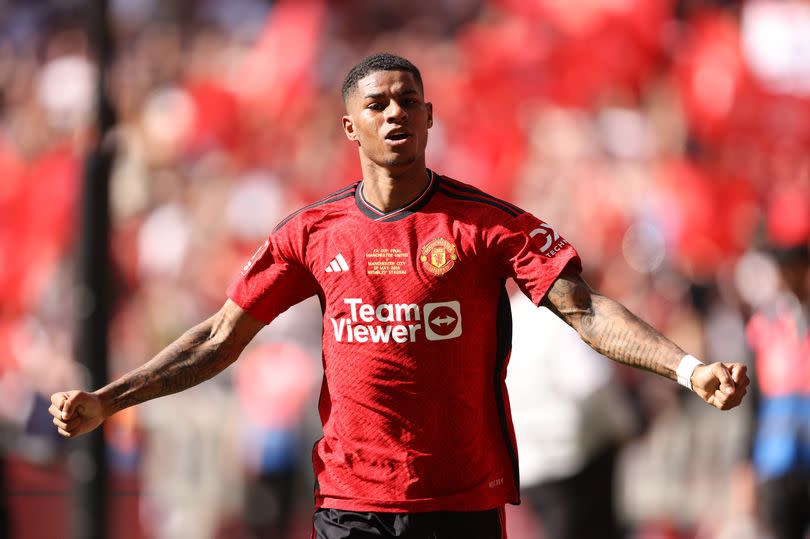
[{"x": 337, "y": 524}]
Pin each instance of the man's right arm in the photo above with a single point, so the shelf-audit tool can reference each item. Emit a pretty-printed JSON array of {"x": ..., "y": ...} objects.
[
  {"x": 199, "y": 354},
  {"x": 612, "y": 330}
]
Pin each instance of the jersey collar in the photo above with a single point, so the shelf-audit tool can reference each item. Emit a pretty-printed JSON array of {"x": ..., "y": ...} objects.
[{"x": 375, "y": 214}]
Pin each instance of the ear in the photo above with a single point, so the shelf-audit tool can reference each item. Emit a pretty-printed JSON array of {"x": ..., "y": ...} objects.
[
  {"x": 430, "y": 114},
  {"x": 348, "y": 128}
]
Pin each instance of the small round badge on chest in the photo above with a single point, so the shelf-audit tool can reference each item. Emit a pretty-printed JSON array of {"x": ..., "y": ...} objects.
[{"x": 439, "y": 256}]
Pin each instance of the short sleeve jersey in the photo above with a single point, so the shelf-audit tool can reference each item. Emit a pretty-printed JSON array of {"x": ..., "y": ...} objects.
[{"x": 416, "y": 339}]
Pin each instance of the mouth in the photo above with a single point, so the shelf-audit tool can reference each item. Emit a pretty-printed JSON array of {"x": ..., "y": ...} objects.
[{"x": 397, "y": 138}]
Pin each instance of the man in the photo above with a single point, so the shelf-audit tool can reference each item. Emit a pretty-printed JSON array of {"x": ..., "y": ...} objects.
[
  {"x": 779, "y": 335},
  {"x": 410, "y": 268}
]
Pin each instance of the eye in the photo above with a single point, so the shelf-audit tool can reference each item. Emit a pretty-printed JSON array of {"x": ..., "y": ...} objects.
[{"x": 374, "y": 106}]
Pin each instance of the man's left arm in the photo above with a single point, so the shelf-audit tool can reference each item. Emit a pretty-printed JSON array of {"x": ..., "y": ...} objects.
[{"x": 612, "y": 330}]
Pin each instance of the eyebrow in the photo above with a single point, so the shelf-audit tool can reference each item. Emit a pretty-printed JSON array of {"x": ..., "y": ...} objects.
[{"x": 398, "y": 93}]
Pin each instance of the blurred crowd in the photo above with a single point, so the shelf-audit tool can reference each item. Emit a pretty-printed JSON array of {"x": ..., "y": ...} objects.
[{"x": 666, "y": 140}]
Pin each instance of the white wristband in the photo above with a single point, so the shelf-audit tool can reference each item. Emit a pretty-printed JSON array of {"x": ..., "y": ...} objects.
[{"x": 685, "y": 369}]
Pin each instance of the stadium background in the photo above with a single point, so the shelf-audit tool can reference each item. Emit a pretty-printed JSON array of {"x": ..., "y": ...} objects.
[{"x": 667, "y": 140}]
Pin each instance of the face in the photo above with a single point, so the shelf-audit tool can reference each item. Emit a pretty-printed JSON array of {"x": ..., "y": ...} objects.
[{"x": 389, "y": 119}]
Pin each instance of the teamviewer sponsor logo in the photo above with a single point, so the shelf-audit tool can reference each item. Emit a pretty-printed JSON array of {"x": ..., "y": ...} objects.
[
  {"x": 397, "y": 322},
  {"x": 443, "y": 320}
]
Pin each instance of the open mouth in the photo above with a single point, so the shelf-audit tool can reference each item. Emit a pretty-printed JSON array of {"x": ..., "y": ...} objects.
[{"x": 397, "y": 136}]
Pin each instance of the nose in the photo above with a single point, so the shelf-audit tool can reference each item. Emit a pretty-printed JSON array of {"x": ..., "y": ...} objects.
[{"x": 395, "y": 113}]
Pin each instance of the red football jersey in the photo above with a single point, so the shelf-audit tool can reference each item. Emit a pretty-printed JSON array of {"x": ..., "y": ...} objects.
[{"x": 416, "y": 339}]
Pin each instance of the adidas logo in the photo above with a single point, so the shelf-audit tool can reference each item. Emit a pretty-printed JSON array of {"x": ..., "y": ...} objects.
[{"x": 337, "y": 264}]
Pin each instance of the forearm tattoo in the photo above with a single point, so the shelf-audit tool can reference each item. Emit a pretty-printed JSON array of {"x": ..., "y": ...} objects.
[
  {"x": 610, "y": 329},
  {"x": 193, "y": 358}
]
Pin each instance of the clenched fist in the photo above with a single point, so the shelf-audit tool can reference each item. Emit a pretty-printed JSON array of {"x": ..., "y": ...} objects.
[
  {"x": 76, "y": 412},
  {"x": 723, "y": 385}
]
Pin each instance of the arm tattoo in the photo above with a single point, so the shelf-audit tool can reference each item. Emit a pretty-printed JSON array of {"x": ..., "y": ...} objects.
[
  {"x": 610, "y": 329},
  {"x": 196, "y": 356}
]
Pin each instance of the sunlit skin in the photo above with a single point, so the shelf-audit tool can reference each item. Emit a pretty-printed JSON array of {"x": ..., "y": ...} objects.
[{"x": 386, "y": 106}]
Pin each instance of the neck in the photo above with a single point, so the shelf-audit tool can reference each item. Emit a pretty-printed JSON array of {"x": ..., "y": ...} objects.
[{"x": 390, "y": 190}]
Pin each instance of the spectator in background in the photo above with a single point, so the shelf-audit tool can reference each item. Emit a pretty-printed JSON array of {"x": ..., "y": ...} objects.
[
  {"x": 274, "y": 382},
  {"x": 571, "y": 417},
  {"x": 779, "y": 335}
]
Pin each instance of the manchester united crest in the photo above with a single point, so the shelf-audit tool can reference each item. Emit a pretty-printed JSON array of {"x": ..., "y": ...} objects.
[{"x": 438, "y": 256}]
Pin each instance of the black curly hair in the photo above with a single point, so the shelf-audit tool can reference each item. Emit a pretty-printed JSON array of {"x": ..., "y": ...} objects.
[{"x": 378, "y": 62}]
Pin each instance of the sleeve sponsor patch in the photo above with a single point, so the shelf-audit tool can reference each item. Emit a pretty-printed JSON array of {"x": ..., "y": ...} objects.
[
  {"x": 548, "y": 240},
  {"x": 262, "y": 248}
]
